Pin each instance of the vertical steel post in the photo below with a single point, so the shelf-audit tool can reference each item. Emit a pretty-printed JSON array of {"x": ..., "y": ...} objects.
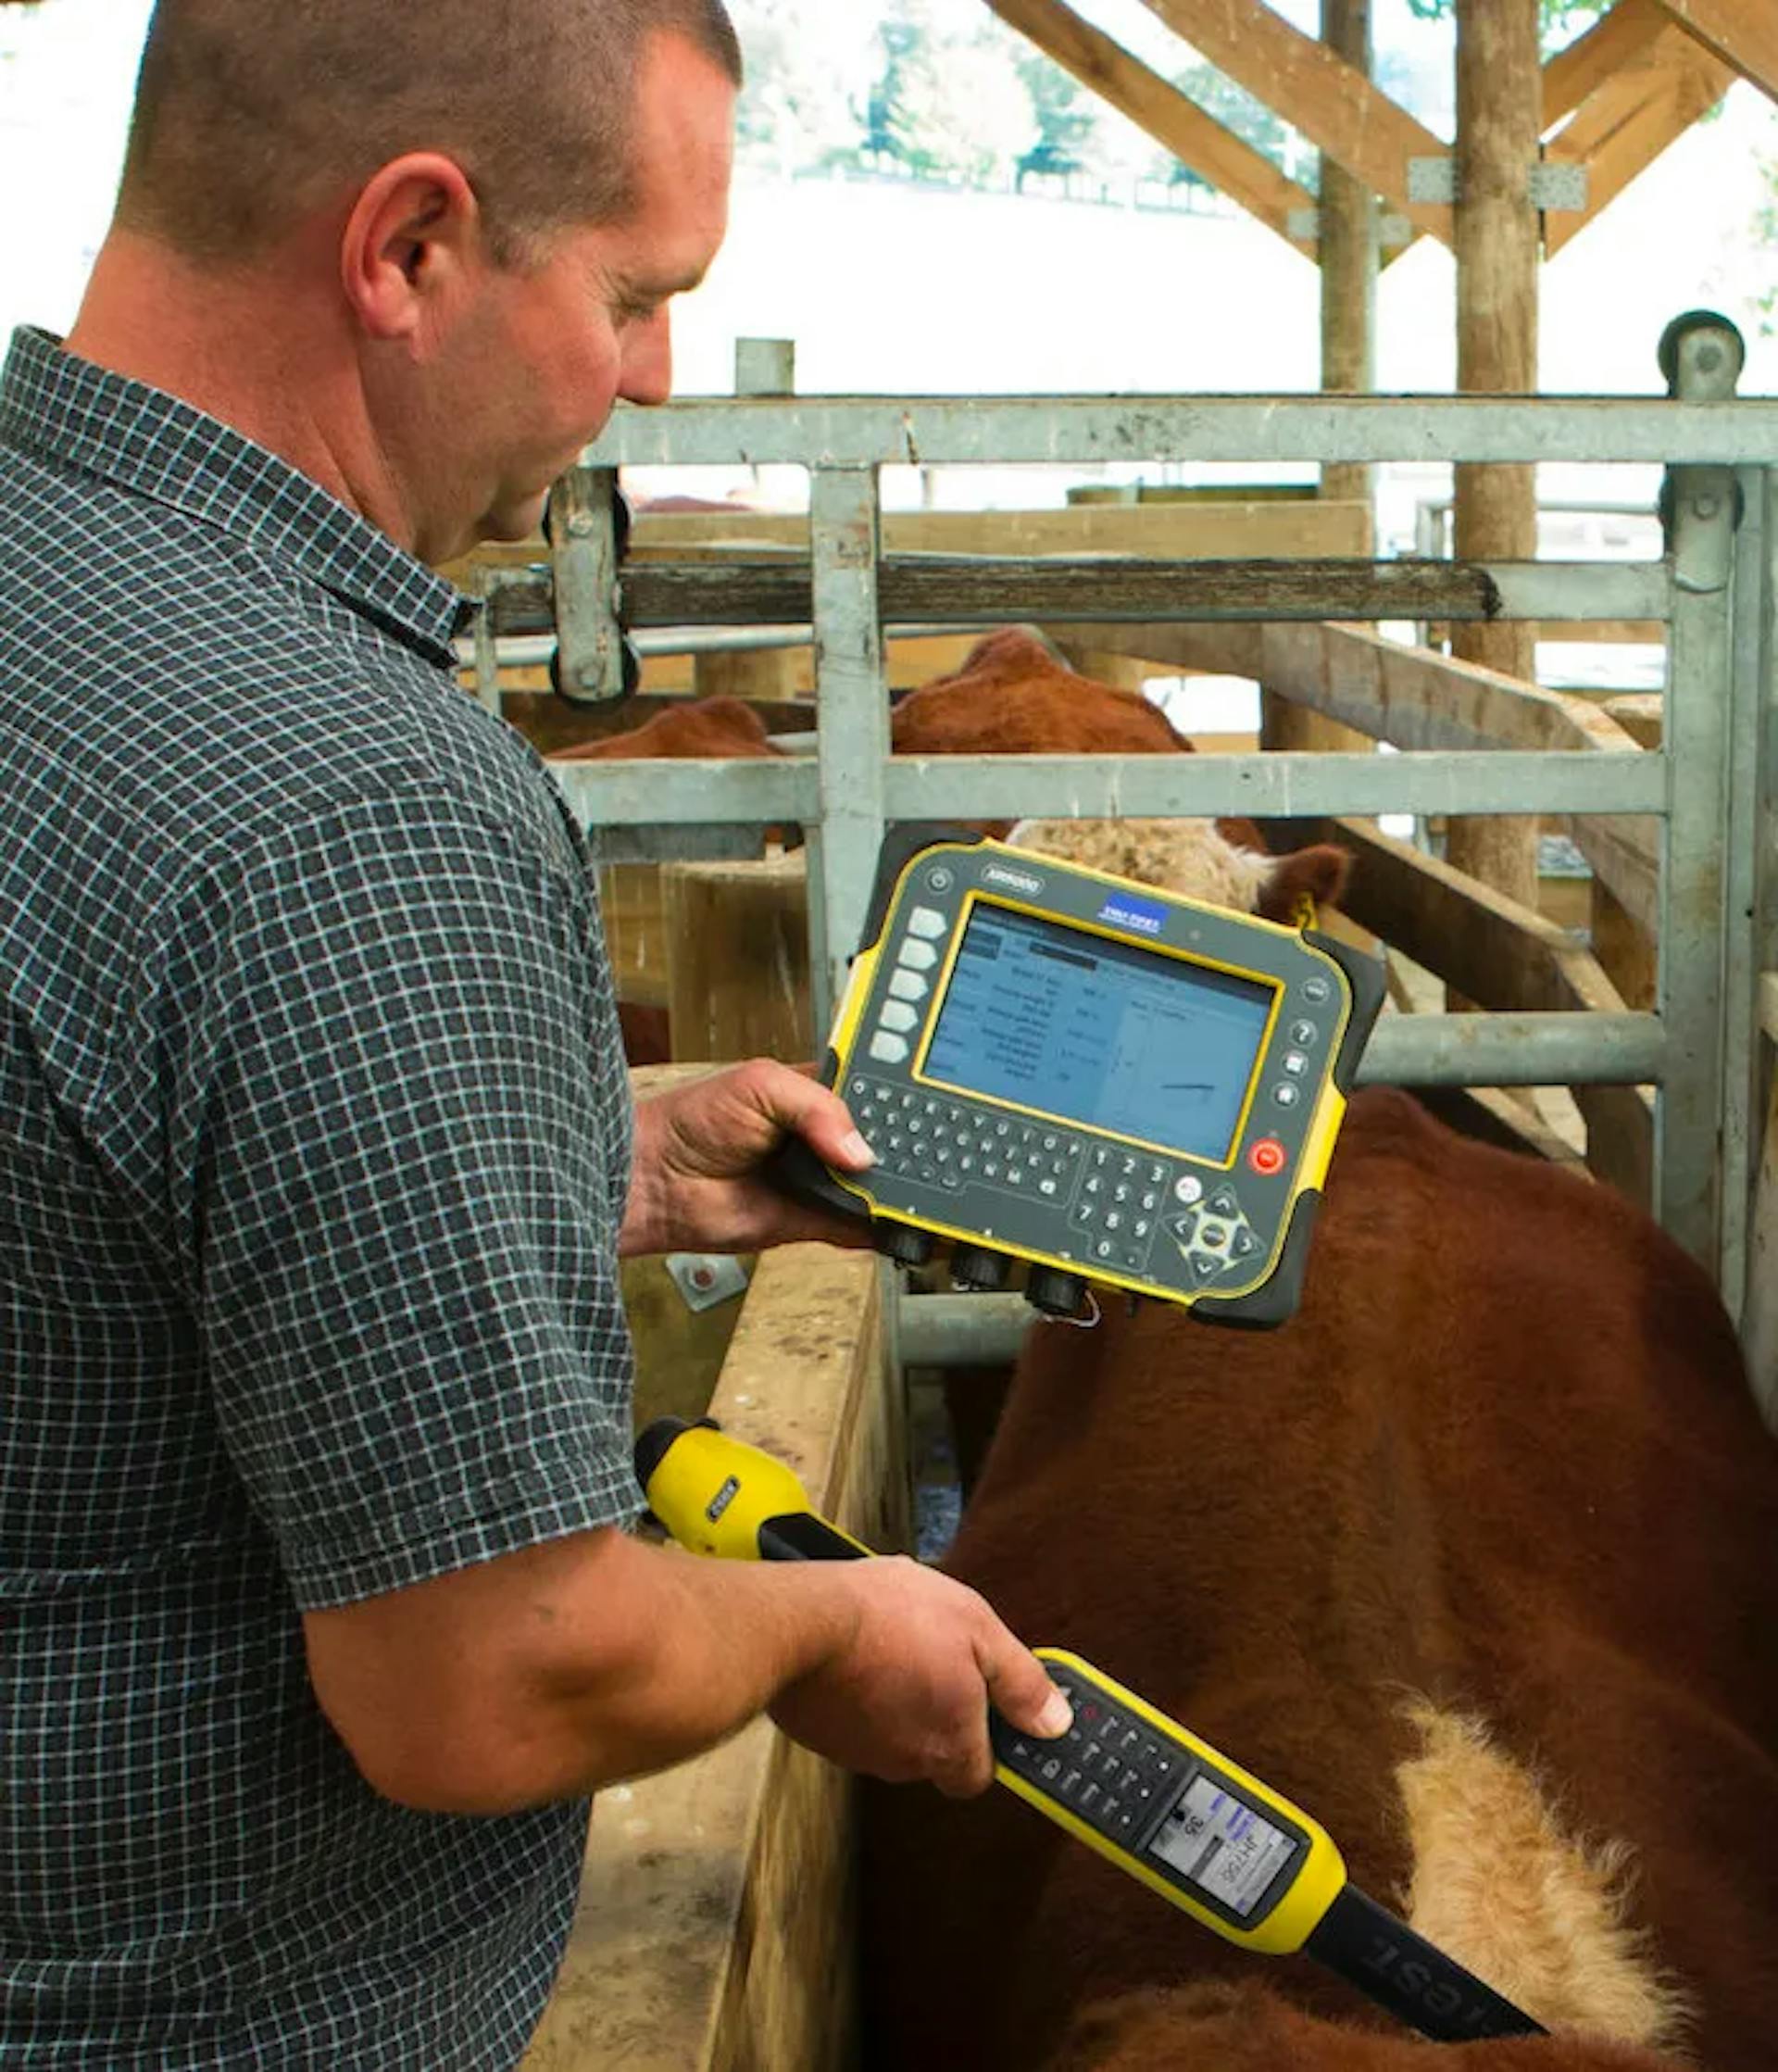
[
  {"x": 1758, "y": 1317},
  {"x": 852, "y": 722},
  {"x": 1744, "y": 944},
  {"x": 1703, "y": 358},
  {"x": 765, "y": 367},
  {"x": 487, "y": 650}
]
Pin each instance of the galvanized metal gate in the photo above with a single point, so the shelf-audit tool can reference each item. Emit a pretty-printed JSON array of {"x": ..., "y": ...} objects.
[{"x": 1713, "y": 588}]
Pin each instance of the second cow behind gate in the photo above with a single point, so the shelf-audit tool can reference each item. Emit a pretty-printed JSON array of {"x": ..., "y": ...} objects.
[{"x": 1474, "y": 1559}]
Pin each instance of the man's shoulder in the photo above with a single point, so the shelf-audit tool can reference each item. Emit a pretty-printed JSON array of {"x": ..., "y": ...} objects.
[{"x": 171, "y": 692}]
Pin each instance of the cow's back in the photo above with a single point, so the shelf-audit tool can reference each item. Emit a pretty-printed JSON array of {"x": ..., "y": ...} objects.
[{"x": 1503, "y": 1461}]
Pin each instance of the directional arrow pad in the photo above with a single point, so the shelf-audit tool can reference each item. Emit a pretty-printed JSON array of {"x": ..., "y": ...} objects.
[{"x": 1215, "y": 1237}]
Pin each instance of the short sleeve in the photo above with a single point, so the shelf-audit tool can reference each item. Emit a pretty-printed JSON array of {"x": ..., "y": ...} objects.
[{"x": 398, "y": 1155}]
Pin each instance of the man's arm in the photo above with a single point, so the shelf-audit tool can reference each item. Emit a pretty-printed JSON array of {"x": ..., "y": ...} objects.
[{"x": 549, "y": 1672}]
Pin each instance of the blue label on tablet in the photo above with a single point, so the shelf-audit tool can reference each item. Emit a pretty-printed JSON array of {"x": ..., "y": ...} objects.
[{"x": 1122, "y": 912}]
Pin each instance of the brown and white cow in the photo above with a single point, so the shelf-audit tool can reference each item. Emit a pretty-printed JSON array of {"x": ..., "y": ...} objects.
[{"x": 1474, "y": 1559}]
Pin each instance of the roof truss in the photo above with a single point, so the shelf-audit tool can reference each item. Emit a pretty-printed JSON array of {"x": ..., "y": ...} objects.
[{"x": 1615, "y": 98}]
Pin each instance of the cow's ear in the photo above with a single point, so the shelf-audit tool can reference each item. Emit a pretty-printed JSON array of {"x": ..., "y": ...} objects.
[{"x": 1319, "y": 872}]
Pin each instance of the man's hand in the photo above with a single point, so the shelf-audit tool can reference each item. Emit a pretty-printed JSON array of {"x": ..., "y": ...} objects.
[
  {"x": 904, "y": 1697},
  {"x": 695, "y": 1186}
]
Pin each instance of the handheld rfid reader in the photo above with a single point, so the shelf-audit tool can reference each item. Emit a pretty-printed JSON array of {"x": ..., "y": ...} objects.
[
  {"x": 1144, "y": 1792},
  {"x": 1110, "y": 1083}
]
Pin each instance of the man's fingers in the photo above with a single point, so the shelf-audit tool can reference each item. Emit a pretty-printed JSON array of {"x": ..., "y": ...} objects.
[
  {"x": 969, "y": 1776},
  {"x": 816, "y": 1114},
  {"x": 1021, "y": 1692}
]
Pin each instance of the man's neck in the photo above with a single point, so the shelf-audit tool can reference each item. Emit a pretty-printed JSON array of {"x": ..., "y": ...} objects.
[{"x": 237, "y": 346}]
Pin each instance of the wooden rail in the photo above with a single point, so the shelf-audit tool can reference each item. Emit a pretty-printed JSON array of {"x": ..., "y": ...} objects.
[{"x": 714, "y": 1931}]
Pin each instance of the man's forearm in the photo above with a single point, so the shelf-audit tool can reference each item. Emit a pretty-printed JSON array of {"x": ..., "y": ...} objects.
[
  {"x": 700, "y": 1647},
  {"x": 546, "y": 1673}
]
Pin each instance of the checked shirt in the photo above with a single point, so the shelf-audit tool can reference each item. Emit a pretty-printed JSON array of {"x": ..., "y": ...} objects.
[{"x": 314, "y": 1143}]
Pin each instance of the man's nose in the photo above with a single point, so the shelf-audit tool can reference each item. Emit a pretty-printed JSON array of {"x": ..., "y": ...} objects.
[{"x": 646, "y": 372}]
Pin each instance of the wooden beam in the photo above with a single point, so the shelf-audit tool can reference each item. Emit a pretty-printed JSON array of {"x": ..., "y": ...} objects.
[
  {"x": 1331, "y": 101},
  {"x": 1172, "y": 119},
  {"x": 1614, "y": 40},
  {"x": 1265, "y": 528},
  {"x": 1742, "y": 34},
  {"x": 917, "y": 588},
  {"x": 1414, "y": 699},
  {"x": 1349, "y": 220},
  {"x": 715, "y": 1892},
  {"x": 1242, "y": 525},
  {"x": 1505, "y": 957},
  {"x": 737, "y": 958},
  {"x": 1625, "y": 125},
  {"x": 1498, "y": 246}
]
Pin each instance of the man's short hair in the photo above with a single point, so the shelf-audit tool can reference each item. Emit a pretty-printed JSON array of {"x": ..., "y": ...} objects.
[{"x": 251, "y": 114}]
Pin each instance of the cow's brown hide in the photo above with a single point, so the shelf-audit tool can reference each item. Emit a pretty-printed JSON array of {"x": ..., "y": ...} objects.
[{"x": 1504, "y": 1463}]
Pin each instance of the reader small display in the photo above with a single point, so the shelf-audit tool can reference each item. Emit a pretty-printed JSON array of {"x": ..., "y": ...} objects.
[
  {"x": 1098, "y": 1032},
  {"x": 1110, "y": 1083},
  {"x": 1223, "y": 1846}
]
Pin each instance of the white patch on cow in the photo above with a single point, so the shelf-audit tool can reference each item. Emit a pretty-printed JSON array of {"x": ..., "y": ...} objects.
[
  {"x": 1183, "y": 856},
  {"x": 1542, "y": 1914}
]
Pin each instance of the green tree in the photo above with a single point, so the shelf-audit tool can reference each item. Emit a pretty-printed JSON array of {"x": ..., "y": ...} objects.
[
  {"x": 1765, "y": 231},
  {"x": 1064, "y": 116},
  {"x": 809, "y": 65}
]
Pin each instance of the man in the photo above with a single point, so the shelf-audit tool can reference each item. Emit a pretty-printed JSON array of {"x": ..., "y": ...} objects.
[{"x": 318, "y": 1622}]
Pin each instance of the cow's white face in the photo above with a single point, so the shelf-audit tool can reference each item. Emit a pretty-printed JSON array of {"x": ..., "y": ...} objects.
[{"x": 1189, "y": 857}]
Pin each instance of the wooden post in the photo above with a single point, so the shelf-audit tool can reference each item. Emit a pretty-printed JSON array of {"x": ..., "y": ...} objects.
[
  {"x": 716, "y": 1927},
  {"x": 738, "y": 937},
  {"x": 1499, "y": 103},
  {"x": 1348, "y": 217},
  {"x": 749, "y": 672},
  {"x": 1349, "y": 251}
]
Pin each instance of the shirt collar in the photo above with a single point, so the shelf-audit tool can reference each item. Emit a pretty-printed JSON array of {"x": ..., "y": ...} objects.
[{"x": 62, "y": 408}]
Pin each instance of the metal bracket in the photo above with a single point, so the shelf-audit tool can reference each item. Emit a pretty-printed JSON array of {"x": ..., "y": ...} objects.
[
  {"x": 1549, "y": 184},
  {"x": 1555, "y": 185},
  {"x": 584, "y": 553},
  {"x": 704, "y": 1279},
  {"x": 1303, "y": 227}
]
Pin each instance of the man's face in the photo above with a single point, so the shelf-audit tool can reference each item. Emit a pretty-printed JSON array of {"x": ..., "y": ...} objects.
[{"x": 532, "y": 374}]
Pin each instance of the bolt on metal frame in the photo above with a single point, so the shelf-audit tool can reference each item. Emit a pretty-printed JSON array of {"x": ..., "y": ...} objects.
[{"x": 1708, "y": 783}]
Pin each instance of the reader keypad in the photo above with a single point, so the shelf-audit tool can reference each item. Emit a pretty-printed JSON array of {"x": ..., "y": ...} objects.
[
  {"x": 1111, "y": 1769},
  {"x": 925, "y": 1137}
]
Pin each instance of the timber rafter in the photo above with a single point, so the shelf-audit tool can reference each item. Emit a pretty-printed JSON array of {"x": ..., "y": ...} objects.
[{"x": 1613, "y": 100}]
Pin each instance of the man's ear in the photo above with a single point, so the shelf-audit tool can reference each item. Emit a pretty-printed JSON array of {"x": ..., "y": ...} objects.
[{"x": 415, "y": 232}]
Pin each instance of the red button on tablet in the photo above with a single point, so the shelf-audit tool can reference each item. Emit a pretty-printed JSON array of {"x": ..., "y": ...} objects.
[{"x": 1266, "y": 1155}]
